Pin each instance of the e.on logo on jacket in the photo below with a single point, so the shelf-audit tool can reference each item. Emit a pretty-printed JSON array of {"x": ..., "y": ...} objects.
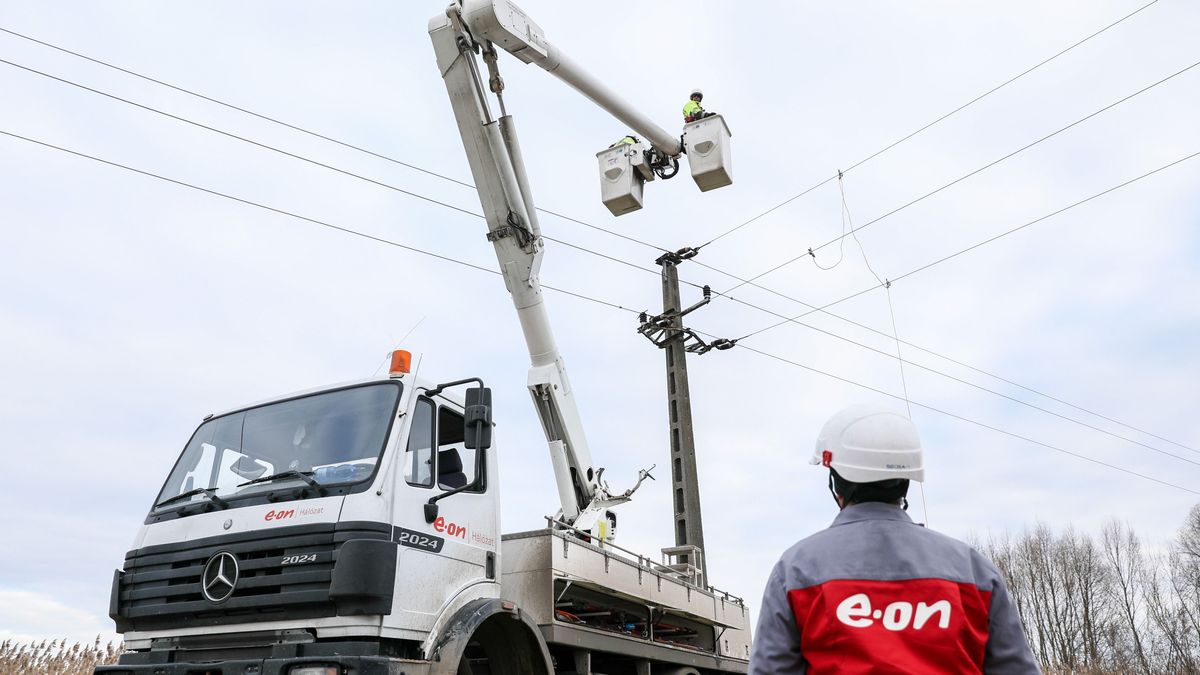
[
  {"x": 913, "y": 625},
  {"x": 855, "y": 611}
]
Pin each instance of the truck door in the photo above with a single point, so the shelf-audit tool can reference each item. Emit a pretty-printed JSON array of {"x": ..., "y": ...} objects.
[{"x": 457, "y": 552}]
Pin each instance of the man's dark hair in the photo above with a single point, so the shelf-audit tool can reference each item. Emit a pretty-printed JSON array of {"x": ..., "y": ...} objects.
[{"x": 888, "y": 491}]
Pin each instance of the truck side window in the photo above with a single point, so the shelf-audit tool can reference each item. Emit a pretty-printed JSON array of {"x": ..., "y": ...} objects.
[
  {"x": 456, "y": 464},
  {"x": 418, "y": 456}
]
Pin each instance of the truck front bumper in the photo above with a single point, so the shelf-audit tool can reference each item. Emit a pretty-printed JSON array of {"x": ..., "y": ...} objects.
[{"x": 347, "y": 665}]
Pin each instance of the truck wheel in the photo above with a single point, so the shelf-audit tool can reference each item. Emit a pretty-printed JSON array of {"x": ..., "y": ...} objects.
[
  {"x": 499, "y": 646},
  {"x": 489, "y": 636}
]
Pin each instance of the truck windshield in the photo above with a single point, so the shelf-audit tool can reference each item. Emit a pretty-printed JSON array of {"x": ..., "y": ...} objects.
[{"x": 335, "y": 438}]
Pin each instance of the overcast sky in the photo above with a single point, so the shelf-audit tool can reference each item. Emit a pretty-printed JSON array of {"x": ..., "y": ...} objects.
[{"x": 131, "y": 307}]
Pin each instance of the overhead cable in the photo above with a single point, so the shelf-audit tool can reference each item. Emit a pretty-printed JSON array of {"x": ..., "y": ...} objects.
[
  {"x": 309, "y": 132},
  {"x": 927, "y": 126},
  {"x": 853, "y": 231},
  {"x": 632, "y": 239},
  {"x": 927, "y": 350},
  {"x": 969, "y": 420},
  {"x": 291, "y": 214},
  {"x": 972, "y": 247},
  {"x": 309, "y": 160},
  {"x": 999, "y": 394},
  {"x": 547, "y": 211},
  {"x": 481, "y": 268}
]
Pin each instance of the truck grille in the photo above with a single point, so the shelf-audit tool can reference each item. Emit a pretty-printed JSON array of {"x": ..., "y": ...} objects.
[{"x": 161, "y": 585}]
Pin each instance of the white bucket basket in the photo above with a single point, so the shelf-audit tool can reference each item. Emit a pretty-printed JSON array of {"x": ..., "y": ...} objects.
[
  {"x": 621, "y": 183},
  {"x": 707, "y": 144}
]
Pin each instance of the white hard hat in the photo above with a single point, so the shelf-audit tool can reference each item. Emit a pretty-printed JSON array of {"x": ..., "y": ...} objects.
[
  {"x": 697, "y": 91},
  {"x": 865, "y": 444}
]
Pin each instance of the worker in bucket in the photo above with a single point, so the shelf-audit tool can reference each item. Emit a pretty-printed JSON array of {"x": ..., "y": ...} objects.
[
  {"x": 876, "y": 592},
  {"x": 692, "y": 110},
  {"x": 626, "y": 140}
]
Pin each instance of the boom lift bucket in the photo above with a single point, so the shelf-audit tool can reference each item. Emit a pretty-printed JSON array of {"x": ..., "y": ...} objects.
[
  {"x": 623, "y": 172},
  {"x": 706, "y": 142}
]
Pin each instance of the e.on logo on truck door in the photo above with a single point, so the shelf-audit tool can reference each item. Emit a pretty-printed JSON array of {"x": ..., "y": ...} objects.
[{"x": 451, "y": 529}]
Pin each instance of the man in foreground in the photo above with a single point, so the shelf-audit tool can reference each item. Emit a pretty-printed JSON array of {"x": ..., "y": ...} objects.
[{"x": 875, "y": 592}]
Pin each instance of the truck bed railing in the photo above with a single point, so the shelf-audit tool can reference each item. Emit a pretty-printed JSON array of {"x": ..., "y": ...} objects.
[{"x": 574, "y": 535}]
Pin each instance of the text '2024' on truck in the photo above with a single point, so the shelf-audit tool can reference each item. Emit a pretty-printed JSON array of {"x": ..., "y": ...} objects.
[{"x": 355, "y": 529}]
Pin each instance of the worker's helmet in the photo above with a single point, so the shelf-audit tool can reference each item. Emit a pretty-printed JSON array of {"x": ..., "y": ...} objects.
[
  {"x": 697, "y": 92},
  {"x": 868, "y": 444}
]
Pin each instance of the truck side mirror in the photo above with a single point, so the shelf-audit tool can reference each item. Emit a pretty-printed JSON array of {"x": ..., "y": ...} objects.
[{"x": 478, "y": 419}]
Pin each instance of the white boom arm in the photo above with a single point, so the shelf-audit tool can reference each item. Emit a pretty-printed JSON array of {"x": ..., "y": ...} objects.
[
  {"x": 499, "y": 171},
  {"x": 505, "y": 25}
]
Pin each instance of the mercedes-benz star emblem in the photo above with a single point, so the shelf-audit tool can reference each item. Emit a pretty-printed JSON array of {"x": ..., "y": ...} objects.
[{"x": 220, "y": 577}]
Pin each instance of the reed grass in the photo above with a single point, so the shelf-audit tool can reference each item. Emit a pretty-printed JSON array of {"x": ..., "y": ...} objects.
[{"x": 55, "y": 657}]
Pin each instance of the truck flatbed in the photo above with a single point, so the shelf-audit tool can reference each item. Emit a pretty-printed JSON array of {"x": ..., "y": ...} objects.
[{"x": 595, "y": 596}]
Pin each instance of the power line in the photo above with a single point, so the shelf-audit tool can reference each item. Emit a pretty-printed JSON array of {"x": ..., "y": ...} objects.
[
  {"x": 240, "y": 138},
  {"x": 309, "y": 132},
  {"x": 572, "y": 293},
  {"x": 931, "y": 352},
  {"x": 477, "y": 215},
  {"x": 974, "y": 246},
  {"x": 962, "y": 418},
  {"x": 968, "y": 383},
  {"x": 231, "y": 106},
  {"x": 927, "y": 126},
  {"x": 563, "y": 216},
  {"x": 314, "y": 221},
  {"x": 309, "y": 160},
  {"x": 853, "y": 231},
  {"x": 559, "y": 215},
  {"x": 970, "y": 421}
]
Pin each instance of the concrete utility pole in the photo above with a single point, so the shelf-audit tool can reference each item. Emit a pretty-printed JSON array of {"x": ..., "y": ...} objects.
[
  {"x": 668, "y": 333},
  {"x": 685, "y": 484}
]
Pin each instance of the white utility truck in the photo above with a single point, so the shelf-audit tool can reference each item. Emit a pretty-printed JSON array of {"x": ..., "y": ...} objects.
[{"x": 355, "y": 529}]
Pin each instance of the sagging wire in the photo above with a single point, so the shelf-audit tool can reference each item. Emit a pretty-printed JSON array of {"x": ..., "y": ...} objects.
[
  {"x": 842, "y": 238},
  {"x": 847, "y": 219}
]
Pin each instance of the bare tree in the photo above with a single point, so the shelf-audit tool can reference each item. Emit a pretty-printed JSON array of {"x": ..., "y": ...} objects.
[
  {"x": 1123, "y": 552},
  {"x": 1103, "y": 606},
  {"x": 1175, "y": 603}
]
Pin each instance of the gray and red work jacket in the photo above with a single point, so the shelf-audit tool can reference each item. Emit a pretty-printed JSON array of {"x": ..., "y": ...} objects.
[{"x": 877, "y": 593}]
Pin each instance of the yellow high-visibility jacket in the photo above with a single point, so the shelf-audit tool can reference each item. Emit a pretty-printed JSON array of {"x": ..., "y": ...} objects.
[{"x": 691, "y": 110}]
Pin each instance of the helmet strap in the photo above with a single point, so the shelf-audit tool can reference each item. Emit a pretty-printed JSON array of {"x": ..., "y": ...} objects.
[{"x": 841, "y": 500}]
